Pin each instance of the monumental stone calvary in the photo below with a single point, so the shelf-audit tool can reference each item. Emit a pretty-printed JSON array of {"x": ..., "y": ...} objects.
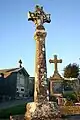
[{"x": 41, "y": 108}]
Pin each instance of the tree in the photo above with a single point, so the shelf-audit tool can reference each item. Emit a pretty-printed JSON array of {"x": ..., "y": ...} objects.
[
  {"x": 71, "y": 70},
  {"x": 67, "y": 86}
]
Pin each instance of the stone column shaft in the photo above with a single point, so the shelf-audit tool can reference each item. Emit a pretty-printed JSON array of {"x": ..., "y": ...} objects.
[{"x": 40, "y": 92}]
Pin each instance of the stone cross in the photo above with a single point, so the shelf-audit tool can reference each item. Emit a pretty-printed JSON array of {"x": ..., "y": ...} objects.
[
  {"x": 41, "y": 108},
  {"x": 55, "y": 61},
  {"x": 39, "y": 17}
]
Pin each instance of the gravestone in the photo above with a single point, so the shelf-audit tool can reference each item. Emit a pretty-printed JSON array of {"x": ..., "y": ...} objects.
[
  {"x": 56, "y": 80},
  {"x": 41, "y": 108}
]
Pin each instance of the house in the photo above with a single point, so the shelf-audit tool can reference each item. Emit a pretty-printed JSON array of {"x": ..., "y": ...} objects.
[{"x": 14, "y": 82}]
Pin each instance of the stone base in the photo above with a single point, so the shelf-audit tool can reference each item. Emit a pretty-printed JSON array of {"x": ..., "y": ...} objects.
[
  {"x": 42, "y": 111},
  {"x": 70, "y": 110}
]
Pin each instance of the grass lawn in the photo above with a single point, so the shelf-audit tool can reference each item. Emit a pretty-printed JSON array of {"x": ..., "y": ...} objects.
[{"x": 16, "y": 110}]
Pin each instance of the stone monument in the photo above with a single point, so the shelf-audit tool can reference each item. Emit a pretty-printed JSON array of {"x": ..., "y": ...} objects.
[
  {"x": 41, "y": 108},
  {"x": 55, "y": 61},
  {"x": 56, "y": 80}
]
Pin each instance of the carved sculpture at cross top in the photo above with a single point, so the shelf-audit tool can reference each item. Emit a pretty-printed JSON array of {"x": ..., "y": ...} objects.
[
  {"x": 55, "y": 61},
  {"x": 39, "y": 17}
]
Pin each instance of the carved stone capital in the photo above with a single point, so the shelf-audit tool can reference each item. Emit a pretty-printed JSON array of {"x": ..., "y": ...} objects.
[
  {"x": 40, "y": 34},
  {"x": 40, "y": 27}
]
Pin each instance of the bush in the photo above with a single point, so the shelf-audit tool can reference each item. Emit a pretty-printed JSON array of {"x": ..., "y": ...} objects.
[{"x": 70, "y": 96}]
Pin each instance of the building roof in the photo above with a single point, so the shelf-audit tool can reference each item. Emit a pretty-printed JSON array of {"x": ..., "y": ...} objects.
[{"x": 7, "y": 72}]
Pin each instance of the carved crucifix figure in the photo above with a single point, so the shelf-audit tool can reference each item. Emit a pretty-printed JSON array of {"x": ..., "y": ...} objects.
[
  {"x": 39, "y": 17},
  {"x": 55, "y": 61}
]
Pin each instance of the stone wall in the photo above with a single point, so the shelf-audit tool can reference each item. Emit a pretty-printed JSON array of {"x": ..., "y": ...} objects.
[{"x": 70, "y": 110}]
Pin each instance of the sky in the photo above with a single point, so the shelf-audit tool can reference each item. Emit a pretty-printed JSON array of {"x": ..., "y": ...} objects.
[{"x": 17, "y": 33}]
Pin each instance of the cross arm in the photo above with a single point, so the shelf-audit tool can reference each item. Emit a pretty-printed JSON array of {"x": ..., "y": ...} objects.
[
  {"x": 60, "y": 61},
  {"x": 48, "y": 20},
  {"x": 39, "y": 14},
  {"x": 31, "y": 16},
  {"x": 51, "y": 61}
]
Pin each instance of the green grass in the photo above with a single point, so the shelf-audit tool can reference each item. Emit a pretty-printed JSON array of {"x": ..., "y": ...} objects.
[{"x": 16, "y": 110}]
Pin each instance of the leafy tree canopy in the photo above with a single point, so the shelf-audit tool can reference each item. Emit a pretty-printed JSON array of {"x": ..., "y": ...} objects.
[{"x": 71, "y": 70}]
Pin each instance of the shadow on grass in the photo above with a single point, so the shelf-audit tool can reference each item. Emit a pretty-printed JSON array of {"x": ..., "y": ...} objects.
[{"x": 16, "y": 110}]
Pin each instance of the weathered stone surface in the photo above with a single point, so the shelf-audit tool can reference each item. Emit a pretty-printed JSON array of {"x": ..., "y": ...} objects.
[
  {"x": 30, "y": 109},
  {"x": 41, "y": 108},
  {"x": 40, "y": 66},
  {"x": 42, "y": 111},
  {"x": 70, "y": 110}
]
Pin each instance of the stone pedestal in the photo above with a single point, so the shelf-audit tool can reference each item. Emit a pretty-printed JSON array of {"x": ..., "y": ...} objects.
[{"x": 42, "y": 111}]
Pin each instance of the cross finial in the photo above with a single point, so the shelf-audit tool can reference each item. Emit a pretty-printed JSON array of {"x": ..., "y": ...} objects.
[
  {"x": 20, "y": 63},
  {"x": 55, "y": 61},
  {"x": 39, "y": 17}
]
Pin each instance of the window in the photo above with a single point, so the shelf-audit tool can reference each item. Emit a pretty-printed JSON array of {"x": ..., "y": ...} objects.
[
  {"x": 20, "y": 79},
  {"x": 22, "y": 89},
  {"x": 17, "y": 89},
  {"x": 20, "y": 73}
]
